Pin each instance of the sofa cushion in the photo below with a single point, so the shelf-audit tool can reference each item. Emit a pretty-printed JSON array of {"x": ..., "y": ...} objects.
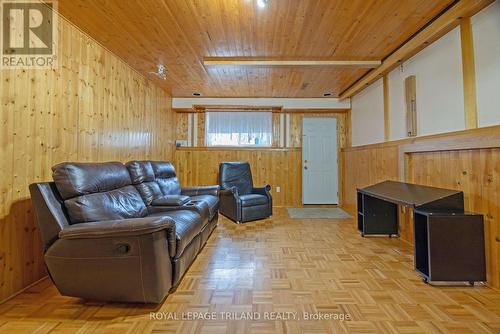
[
  {"x": 166, "y": 178},
  {"x": 170, "y": 200},
  {"x": 149, "y": 191},
  {"x": 97, "y": 191},
  {"x": 188, "y": 225},
  {"x": 120, "y": 203},
  {"x": 253, "y": 199},
  {"x": 210, "y": 200},
  {"x": 76, "y": 178},
  {"x": 140, "y": 171}
]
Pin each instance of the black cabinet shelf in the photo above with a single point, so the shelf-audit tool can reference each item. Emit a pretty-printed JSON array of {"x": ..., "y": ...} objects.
[
  {"x": 377, "y": 217},
  {"x": 449, "y": 246}
]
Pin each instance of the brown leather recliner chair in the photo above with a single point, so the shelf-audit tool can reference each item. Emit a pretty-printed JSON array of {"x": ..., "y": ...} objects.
[
  {"x": 101, "y": 242},
  {"x": 239, "y": 199}
]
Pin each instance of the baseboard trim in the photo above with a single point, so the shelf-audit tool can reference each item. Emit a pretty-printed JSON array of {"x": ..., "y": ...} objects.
[{"x": 24, "y": 289}]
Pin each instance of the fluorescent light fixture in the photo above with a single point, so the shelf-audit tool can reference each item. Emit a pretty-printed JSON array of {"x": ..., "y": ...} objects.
[{"x": 262, "y": 3}]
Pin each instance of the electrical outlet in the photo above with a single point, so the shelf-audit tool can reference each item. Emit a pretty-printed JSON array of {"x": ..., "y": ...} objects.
[{"x": 278, "y": 189}]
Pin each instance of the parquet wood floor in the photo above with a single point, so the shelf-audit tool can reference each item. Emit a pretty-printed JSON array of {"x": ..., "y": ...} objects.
[{"x": 278, "y": 265}]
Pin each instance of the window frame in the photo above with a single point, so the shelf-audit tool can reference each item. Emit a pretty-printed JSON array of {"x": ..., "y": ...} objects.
[{"x": 259, "y": 146}]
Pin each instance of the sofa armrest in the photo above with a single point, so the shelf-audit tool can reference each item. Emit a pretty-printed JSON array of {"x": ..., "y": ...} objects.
[
  {"x": 266, "y": 192},
  {"x": 205, "y": 190},
  {"x": 119, "y": 228},
  {"x": 171, "y": 200}
]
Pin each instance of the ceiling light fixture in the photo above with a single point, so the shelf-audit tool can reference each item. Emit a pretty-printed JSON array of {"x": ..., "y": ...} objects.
[{"x": 262, "y": 3}]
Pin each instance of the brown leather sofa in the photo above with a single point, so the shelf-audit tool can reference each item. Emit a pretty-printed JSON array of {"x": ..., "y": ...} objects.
[{"x": 101, "y": 241}]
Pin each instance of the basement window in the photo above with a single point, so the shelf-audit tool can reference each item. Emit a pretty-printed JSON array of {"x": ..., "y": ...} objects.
[{"x": 236, "y": 128}]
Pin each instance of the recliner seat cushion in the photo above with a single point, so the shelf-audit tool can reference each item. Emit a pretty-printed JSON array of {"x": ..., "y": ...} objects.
[
  {"x": 253, "y": 199},
  {"x": 97, "y": 191},
  {"x": 188, "y": 225}
]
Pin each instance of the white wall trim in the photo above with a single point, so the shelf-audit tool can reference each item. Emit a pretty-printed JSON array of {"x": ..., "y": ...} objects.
[{"x": 287, "y": 103}]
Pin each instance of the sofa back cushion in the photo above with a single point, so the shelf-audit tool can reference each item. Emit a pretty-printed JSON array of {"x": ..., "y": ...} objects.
[
  {"x": 97, "y": 191},
  {"x": 166, "y": 178},
  {"x": 236, "y": 174},
  {"x": 143, "y": 178}
]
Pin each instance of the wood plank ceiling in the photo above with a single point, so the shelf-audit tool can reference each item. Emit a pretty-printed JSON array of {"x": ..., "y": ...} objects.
[{"x": 179, "y": 33}]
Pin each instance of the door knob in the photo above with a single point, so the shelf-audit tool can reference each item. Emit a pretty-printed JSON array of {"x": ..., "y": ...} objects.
[{"x": 305, "y": 167}]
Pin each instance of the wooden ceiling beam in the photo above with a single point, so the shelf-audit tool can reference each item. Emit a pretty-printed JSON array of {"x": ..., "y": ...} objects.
[
  {"x": 275, "y": 109},
  {"x": 439, "y": 27},
  {"x": 201, "y": 108},
  {"x": 259, "y": 61},
  {"x": 208, "y": 107}
]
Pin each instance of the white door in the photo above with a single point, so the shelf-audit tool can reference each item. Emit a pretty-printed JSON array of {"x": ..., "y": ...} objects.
[{"x": 319, "y": 161}]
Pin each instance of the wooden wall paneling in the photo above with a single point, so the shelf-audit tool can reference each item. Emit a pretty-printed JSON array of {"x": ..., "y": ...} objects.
[
  {"x": 295, "y": 133},
  {"x": 490, "y": 159},
  {"x": 405, "y": 224},
  {"x": 277, "y": 167},
  {"x": 276, "y": 130},
  {"x": 469, "y": 74},
  {"x": 201, "y": 129},
  {"x": 94, "y": 107},
  {"x": 181, "y": 123},
  {"x": 363, "y": 167},
  {"x": 475, "y": 173}
]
